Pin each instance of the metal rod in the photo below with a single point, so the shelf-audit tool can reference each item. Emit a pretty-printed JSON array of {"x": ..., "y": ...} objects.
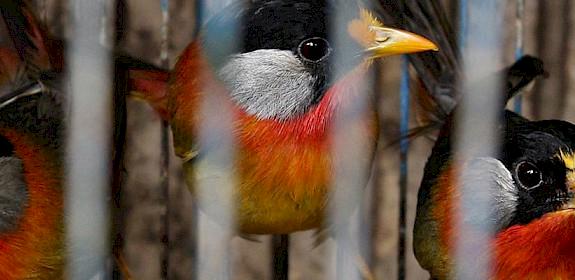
[
  {"x": 403, "y": 150},
  {"x": 120, "y": 267},
  {"x": 165, "y": 148},
  {"x": 217, "y": 142},
  {"x": 463, "y": 24},
  {"x": 482, "y": 54},
  {"x": 519, "y": 44},
  {"x": 280, "y": 259},
  {"x": 348, "y": 152},
  {"x": 89, "y": 139}
]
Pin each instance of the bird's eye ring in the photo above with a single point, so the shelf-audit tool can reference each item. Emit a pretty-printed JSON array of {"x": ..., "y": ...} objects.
[
  {"x": 528, "y": 175},
  {"x": 314, "y": 49}
]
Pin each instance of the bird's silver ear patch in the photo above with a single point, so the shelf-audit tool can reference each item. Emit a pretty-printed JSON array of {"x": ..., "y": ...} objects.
[
  {"x": 486, "y": 174},
  {"x": 269, "y": 84},
  {"x": 13, "y": 193}
]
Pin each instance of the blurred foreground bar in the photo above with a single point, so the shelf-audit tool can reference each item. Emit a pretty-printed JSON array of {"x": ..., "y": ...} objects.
[
  {"x": 348, "y": 153},
  {"x": 482, "y": 55},
  {"x": 88, "y": 151},
  {"x": 215, "y": 169}
]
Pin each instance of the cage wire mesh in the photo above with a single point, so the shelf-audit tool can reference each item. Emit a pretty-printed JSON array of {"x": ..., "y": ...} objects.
[{"x": 484, "y": 28}]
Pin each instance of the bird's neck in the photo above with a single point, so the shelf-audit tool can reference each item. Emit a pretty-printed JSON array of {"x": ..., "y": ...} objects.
[
  {"x": 35, "y": 247},
  {"x": 346, "y": 100},
  {"x": 193, "y": 80}
]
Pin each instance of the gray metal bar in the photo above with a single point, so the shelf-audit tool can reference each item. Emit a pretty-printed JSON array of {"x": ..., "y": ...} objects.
[
  {"x": 89, "y": 139},
  {"x": 216, "y": 168},
  {"x": 348, "y": 153},
  {"x": 482, "y": 56}
]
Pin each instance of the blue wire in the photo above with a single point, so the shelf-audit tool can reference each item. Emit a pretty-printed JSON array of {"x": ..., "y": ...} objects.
[
  {"x": 404, "y": 105},
  {"x": 403, "y": 149},
  {"x": 463, "y": 25}
]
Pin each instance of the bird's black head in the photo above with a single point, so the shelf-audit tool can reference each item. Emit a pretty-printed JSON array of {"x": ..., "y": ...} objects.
[
  {"x": 280, "y": 64},
  {"x": 278, "y": 57},
  {"x": 540, "y": 157},
  {"x": 533, "y": 174}
]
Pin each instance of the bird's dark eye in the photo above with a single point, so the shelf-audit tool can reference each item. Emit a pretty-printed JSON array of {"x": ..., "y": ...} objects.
[
  {"x": 314, "y": 49},
  {"x": 528, "y": 175}
]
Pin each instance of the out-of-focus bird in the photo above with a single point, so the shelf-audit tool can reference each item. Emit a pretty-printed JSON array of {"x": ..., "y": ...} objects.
[
  {"x": 530, "y": 181},
  {"x": 31, "y": 159},
  {"x": 32, "y": 130},
  {"x": 284, "y": 94},
  {"x": 31, "y": 219}
]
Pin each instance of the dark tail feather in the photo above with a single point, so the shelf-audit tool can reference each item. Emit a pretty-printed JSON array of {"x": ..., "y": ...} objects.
[
  {"x": 439, "y": 71},
  {"x": 522, "y": 73}
]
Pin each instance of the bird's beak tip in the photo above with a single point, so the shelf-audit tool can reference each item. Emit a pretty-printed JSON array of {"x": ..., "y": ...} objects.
[{"x": 390, "y": 41}]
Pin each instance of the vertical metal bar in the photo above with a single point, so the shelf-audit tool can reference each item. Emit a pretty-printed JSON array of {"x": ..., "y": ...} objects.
[
  {"x": 476, "y": 133},
  {"x": 165, "y": 148},
  {"x": 280, "y": 257},
  {"x": 348, "y": 154},
  {"x": 403, "y": 150},
  {"x": 519, "y": 41},
  {"x": 463, "y": 23},
  {"x": 118, "y": 215},
  {"x": 216, "y": 168},
  {"x": 89, "y": 137}
]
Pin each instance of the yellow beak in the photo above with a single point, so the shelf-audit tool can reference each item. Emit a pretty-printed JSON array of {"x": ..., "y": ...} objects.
[{"x": 389, "y": 41}]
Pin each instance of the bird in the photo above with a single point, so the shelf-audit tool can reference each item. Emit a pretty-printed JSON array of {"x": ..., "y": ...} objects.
[
  {"x": 32, "y": 145},
  {"x": 31, "y": 173},
  {"x": 31, "y": 156},
  {"x": 283, "y": 92},
  {"x": 531, "y": 188},
  {"x": 530, "y": 180}
]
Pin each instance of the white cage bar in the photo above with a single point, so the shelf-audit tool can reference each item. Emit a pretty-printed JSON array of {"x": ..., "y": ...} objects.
[
  {"x": 482, "y": 22},
  {"x": 89, "y": 141}
]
